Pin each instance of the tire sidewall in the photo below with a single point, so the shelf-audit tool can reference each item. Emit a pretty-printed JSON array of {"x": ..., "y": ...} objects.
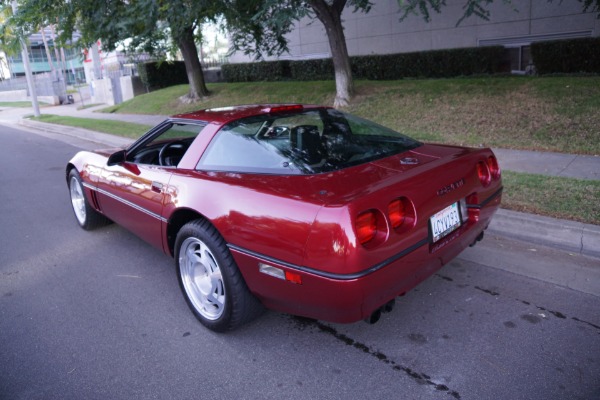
[
  {"x": 74, "y": 174},
  {"x": 93, "y": 218},
  {"x": 213, "y": 241}
]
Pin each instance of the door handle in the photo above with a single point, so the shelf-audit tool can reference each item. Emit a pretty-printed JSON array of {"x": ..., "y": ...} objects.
[{"x": 157, "y": 187}]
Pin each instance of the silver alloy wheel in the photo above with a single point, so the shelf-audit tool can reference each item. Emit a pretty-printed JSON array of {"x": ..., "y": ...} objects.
[
  {"x": 201, "y": 278},
  {"x": 77, "y": 200}
]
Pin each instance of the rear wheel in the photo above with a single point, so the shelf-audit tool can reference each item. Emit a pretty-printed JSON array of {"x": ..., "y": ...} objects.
[
  {"x": 87, "y": 217},
  {"x": 210, "y": 279}
]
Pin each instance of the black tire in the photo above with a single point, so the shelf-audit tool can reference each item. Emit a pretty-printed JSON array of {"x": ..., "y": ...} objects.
[
  {"x": 85, "y": 215},
  {"x": 210, "y": 280}
]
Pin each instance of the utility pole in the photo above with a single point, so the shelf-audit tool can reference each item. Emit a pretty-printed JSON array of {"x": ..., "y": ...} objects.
[{"x": 28, "y": 74}]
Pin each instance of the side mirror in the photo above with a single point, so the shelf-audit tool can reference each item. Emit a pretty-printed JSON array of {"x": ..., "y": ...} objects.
[{"x": 116, "y": 158}]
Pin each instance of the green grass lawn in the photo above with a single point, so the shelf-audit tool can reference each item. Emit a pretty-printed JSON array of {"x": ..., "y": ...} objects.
[
  {"x": 22, "y": 104},
  {"x": 574, "y": 199},
  {"x": 125, "y": 129}
]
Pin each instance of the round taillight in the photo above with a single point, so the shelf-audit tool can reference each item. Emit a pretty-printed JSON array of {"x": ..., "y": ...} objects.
[
  {"x": 397, "y": 213},
  {"x": 493, "y": 166},
  {"x": 401, "y": 214},
  {"x": 484, "y": 173},
  {"x": 366, "y": 226}
]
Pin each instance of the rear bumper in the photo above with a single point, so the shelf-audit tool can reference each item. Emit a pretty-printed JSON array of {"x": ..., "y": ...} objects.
[{"x": 350, "y": 298}]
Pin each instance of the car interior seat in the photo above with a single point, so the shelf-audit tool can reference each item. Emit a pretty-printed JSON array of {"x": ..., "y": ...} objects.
[{"x": 306, "y": 141}]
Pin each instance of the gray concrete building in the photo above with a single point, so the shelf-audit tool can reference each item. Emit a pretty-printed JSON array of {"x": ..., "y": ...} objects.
[{"x": 380, "y": 31}]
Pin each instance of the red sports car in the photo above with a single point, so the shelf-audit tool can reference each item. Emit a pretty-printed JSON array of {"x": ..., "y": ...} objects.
[{"x": 303, "y": 209}]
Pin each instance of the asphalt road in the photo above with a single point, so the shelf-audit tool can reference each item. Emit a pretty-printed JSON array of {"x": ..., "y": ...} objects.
[{"x": 99, "y": 315}]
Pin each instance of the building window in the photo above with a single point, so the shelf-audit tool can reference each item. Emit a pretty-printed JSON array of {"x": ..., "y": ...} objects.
[{"x": 520, "y": 58}]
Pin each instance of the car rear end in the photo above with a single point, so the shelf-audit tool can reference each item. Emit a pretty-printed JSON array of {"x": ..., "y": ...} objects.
[{"x": 387, "y": 226}]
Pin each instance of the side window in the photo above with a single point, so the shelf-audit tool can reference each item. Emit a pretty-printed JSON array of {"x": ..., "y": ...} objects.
[{"x": 167, "y": 147}]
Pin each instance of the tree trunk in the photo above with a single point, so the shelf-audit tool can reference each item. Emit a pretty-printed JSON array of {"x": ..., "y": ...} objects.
[
  {"x": 331, "y": 17},
  {"x": 62, "y": 73},
  {"x": 62, "y": 76},
  {"x": 188, "y": 49},
  {"x": 48, "y": 54}
]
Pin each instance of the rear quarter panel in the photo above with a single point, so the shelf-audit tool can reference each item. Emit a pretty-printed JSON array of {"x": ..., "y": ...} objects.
[{"x": 268, "y": 214}]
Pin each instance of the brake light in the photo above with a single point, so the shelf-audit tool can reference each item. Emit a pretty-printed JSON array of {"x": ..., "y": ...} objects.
[
  {"x": 493, "y": 166},
  {"x": 484, "y": 173},
  {"x": 285, "y": 108},
  {"x": 397, "y": 213},
  {"x": 366, "y": 226}
]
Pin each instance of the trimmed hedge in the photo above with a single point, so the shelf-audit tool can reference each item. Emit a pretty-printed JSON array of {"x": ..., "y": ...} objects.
[
  {"x": 258, "y": 71},
  {"x": 312, "y": 70},
  {"x": 429, "y": 64},
  {"x": 155, "y": 75},
  {"x": 567, "y": 56}
]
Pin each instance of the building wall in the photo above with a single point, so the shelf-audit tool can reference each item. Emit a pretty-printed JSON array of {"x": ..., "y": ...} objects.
[
  {"x": 38, "y": 57},
  {"x": 381, "y": 32}
]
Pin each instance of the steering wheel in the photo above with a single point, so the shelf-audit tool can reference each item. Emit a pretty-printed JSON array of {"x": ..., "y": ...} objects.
[
  {"x": 274, "y": 132},
  {"x": 163, "y": 154}
]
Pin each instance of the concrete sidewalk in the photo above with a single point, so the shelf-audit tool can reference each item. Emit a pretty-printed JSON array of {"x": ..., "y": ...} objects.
[
  {"x": 546, "y": 163},
  {"x": 571, "y": 236}
]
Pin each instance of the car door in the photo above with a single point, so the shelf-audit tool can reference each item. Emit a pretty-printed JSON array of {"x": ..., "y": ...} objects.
[
  {"x": 132, "y": 196},
  {"x": 132, "y": 193}
]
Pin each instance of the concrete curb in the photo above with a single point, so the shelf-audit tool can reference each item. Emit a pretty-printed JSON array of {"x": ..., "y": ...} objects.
[
  {"x": 574, "y": 237},
  {"x": 92, "y": 136}
]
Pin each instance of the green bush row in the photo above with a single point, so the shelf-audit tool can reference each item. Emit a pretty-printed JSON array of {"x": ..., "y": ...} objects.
[
  {"x": 431, "y": 64},
  {"x": 427, "y": 64},
  {"x": 256, "y": 71},
  {"x": 567, "y": 56},
  {"x": 158, "y": 75}
]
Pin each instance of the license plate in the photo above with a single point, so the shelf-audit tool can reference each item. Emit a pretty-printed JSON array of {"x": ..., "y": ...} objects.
[{"x": 445, "y": 221}]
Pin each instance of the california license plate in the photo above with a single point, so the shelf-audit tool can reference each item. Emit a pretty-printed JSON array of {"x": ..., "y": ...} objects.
[{"x": 444, "y": 222}]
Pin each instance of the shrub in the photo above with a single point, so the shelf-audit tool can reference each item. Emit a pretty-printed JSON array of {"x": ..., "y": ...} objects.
[
  {"x": 158, "y": 75},
  {"x": 312, "y": 70},
  {"x": 567, "y": 56},
  {"x": 258, "y": 71},
  {"x": 428, "y": 64}
]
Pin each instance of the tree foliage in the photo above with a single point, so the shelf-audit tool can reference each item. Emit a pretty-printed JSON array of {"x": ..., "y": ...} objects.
[
  {"x": 10, "y": 35},
  {"x": 145, "y": 24},
  {"x": 478, "y": 8}
]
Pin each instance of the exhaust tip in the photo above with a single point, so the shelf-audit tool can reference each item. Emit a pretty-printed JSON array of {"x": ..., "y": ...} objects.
[
  {"x": 479, "y": 238},
  {"x": 389, "y": 306},
  {"x": 373, "y": 318}
]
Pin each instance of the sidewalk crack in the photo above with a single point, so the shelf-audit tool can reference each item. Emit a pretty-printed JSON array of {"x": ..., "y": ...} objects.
[
  {"x": 581, "y": 240},
  {"x": 567, "y": 166}
]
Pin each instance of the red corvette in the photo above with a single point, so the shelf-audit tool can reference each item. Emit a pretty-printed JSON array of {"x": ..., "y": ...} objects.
[{"x": 302, "y": 209}]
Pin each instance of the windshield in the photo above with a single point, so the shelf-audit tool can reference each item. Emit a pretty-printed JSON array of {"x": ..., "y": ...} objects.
[{"x": 310, "y": 142}]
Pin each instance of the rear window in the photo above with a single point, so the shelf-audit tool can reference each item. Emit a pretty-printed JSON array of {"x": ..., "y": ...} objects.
[{"x": 310, "y": 142}]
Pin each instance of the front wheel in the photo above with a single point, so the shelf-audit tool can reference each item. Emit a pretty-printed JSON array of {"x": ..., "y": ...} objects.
[
  {"x": 87, "y": 217},
  {"x": 210, "y": 279}
]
